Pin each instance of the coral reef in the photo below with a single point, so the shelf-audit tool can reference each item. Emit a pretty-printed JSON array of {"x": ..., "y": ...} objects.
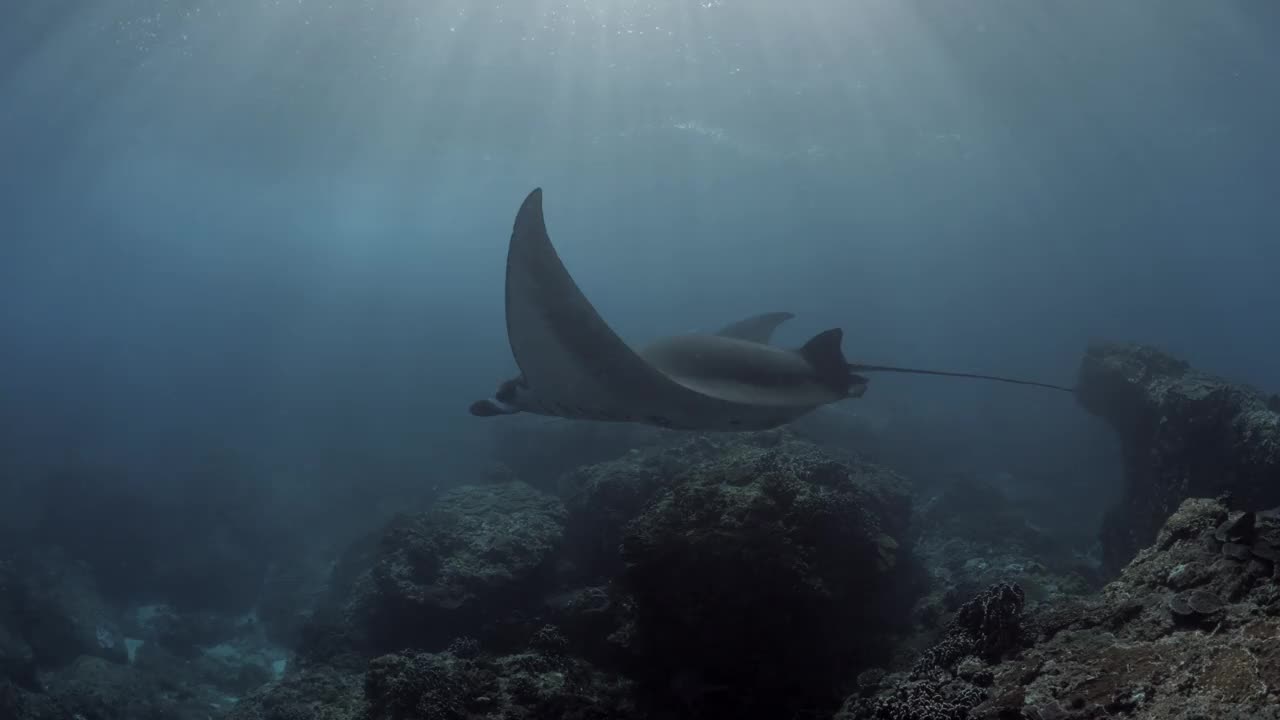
[
  {"x": 969, "y": 536},
  {"x": 946, "y": 682},
  {"x": 769, "y": 573},
  {"x": 686, "y": 576},
  {"x": 1187, "y": 631},
  {"x": 460, "y": 683},
  {"x": 53, "y": 612},
  {"x": 602, "y": 498},
  {"x": 1183, "y": 434},
  {"x": 747, "y": 573},
  {"x": 65, "y": 652},
  {"x": 537, "y": 683},
  {"x": 322, "y": 692},
  {"x": 474, "y": 556}
]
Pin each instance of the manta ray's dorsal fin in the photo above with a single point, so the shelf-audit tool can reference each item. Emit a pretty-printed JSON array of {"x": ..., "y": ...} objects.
[
  {"x": 757, "y": 328},
  {"x": 825, "y": 356}
]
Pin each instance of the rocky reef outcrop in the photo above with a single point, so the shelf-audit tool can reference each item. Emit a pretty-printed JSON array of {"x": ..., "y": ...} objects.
[
  {"x": 766, "y": 575},
  {"x": 970, "y": 537},
  {"x": 1187, "y": 631},
  {"x": 1183, "y": 433},
  {"x": 745, "y": 575},
  {"x": 66, "y": 652},
  {"x": 674, "y": 576},
  {"x": 480, "y": 553}
]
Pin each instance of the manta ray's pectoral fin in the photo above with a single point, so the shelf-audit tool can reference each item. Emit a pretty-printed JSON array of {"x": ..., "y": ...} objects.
[
  {"x": 757, "y": 328},
  {"x": 571, "y": 361}
]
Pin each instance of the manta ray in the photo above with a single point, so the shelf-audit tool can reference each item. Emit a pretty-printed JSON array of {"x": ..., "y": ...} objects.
[{"x": 573, "y": 365}]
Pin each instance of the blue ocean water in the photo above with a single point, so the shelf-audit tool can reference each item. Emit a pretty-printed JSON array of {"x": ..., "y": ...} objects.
[{"x": 255, "y": 248}]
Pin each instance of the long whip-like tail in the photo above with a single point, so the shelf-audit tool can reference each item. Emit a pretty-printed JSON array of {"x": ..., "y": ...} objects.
[{"x": 858, "y": 367}]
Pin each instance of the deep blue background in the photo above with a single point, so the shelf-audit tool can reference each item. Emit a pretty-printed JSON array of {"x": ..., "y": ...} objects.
[{"x": 279, "y": 227}]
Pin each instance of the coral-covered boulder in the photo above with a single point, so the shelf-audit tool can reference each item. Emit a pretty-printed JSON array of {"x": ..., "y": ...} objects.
[
  {"x": 481, "y": 552},
  {"x": 318, "y": 693},
  {"x": 948, "y": 679},
  {"x": 1188, "y": 630},
  {"x": 602, "y": 498},
  {"x": 51, "y": 610},
  {"x": 762, "y": 576},
  {"x": 92, "y": 688},
  {"x": 1183, "y": 433},
  {"x": 17, "y": 659},
  {"x": 972, "y": 537},
  {"x": 537, "y": 683}
]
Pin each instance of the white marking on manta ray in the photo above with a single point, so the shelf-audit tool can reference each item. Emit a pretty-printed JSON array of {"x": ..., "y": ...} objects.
[{"x": 573, "y": 365}]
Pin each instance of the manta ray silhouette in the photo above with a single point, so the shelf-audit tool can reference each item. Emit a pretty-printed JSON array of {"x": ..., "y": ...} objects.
[{"x": 573, "y": 365}]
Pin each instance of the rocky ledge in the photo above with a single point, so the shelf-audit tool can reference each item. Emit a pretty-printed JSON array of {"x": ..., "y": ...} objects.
[
  {"x": 1189, "y": 631},
  {"x": 1183, "y": 434}
]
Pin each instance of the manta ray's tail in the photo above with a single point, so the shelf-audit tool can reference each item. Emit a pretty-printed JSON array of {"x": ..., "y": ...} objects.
[{"x": 857, "y": 368}]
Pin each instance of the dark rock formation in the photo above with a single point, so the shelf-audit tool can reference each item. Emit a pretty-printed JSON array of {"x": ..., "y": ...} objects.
[
  {"x": 181, "y": 634},
  {"x": 1183, "y": 433},
  {"x": 602, "y": 498},
  {"x": 318, "y": 693},
  {"x": 478, "y": 554},
  {"x": 1187, "y": 631},
  {"x": 51, "y": 613},
  {"x": 970, "y": 538},
  {"x": 92, "y": 688},
  {"x": 947, "y": 680},
  {"x": 538, "y": 683},
  {"x": 763, "y": 577},
  {"x": 461, "y": 683}
]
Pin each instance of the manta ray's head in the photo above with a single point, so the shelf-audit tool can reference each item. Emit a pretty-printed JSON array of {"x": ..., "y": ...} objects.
[{"x": 506, "y": 401}]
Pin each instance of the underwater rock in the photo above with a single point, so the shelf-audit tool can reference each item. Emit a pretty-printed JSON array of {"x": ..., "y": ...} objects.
[
  {"x": 950, "y": 678},
  {"x": 17, "y": 661},
  {"x": 538, "y": 683},
  {"x": 92, "y": 688},
  {"x": 595, "y": 621},
  {"x": 602, "y": 498},
  {"x": 50, "y": 606},
  {"x": 479, "y": 553},
  {"x": 464, "y": 683},
  {"x": 1181, "y": 633},
  {"x": 915, "y": 700},
  {"x": 292, "y": 594},
  {"x": 182, "y": 634},
  {"x": 971, "y": 536},
  {"x": 1195, "y": 605},
  {"x": 315, "y": 693},
  {"x": 1183, "y": 434},
  {"x": 987, "y": 626},
  {"x": 762, "y": 575}
]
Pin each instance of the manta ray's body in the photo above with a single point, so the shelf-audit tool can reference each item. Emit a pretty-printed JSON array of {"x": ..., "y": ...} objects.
[{"x": 573, "y": 365}]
